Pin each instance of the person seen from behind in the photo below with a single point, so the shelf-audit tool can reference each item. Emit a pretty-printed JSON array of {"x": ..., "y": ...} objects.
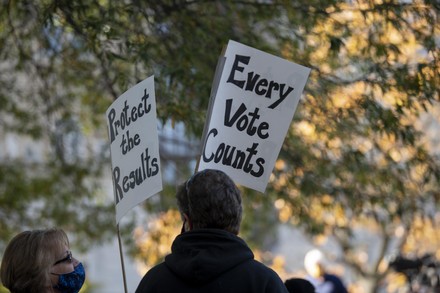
[
  {"x": 208, "y": 256},
  {"x": 40, "y": 261},
  {"x": 323, "y": 281}
]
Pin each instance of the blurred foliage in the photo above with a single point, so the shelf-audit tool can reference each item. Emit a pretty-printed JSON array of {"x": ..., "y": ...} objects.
[
  {"x": 356, "y": 156},
  {"x": 154, "y": 241}
]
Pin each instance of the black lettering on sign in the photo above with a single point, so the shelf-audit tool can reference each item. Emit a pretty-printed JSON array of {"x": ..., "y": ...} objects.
[
  {"x": 127, "y": 116},
  {"x": 254, "y": 82},
  {"x": 128, "y": 142},
  {"x": 229, "y": 155},
  {"x": 245, "y": 122},
  {"x": 119, "y": 195},
  {"x": 148, "y": 167}
]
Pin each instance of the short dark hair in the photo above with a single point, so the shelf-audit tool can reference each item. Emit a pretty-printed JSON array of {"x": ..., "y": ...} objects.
[{"x": 211, "y": 200}]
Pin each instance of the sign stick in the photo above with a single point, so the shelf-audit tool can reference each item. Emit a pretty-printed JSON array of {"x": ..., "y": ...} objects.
[{"x": 122, "y": 259}]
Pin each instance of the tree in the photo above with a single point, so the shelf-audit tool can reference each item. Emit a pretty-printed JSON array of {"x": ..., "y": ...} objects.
[
  {"x": 356, "y": 157},
  {"x": 66, "y": 62},
  {"x": 353, "y": 154}
]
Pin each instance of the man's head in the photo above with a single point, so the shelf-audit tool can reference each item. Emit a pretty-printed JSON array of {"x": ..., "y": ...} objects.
[{"x": 210, "y": 199}]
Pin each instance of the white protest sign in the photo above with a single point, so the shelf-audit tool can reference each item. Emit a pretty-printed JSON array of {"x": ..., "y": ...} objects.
[
  {"x": 253, "y": 107},
  {"x": 134, "y": 146}
]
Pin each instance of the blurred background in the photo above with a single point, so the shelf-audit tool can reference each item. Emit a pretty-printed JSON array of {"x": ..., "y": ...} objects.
[{"x": 358, "y": 175}]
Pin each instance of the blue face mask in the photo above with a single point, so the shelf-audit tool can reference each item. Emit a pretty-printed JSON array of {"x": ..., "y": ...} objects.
[{"x": 72, "y": 282}]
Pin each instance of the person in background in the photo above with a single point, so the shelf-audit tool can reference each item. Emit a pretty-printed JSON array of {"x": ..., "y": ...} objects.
[
  {"x": 323, "y": 281},
  {"x": 208, "y": 256},
  {"x": 299, "y": 285},
  {"x": 40, "y": 261}
]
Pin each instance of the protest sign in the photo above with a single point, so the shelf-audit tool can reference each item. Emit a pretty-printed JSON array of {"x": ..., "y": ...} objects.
[
  {"x": 252, "y": 106},
  {"x": 134, "y": 146}
]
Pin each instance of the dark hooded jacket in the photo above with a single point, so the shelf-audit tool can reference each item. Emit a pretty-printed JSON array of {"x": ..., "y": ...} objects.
[{"x": 212, "y": 261}]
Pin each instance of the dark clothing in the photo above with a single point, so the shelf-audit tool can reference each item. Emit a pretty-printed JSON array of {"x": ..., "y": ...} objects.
[
  {"x": 328, "y": 284},
  {"x": 211, "y": 261},
  {"x": 336, "y": 282},
  {"x": 299, "y": 285}
]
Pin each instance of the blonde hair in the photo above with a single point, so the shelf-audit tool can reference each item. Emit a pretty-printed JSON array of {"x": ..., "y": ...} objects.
[{"x": 28, "y": 259}]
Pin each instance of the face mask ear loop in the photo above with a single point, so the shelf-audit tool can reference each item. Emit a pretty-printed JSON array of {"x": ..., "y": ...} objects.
[{"x": 183, "y": 227}]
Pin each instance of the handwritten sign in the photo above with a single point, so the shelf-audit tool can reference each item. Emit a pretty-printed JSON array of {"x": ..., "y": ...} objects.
[
  {"x": 251, "y": 108},
  {"x": 134, "y": 146}
]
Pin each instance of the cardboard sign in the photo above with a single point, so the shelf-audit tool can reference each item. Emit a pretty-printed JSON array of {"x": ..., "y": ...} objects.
[
  {"x": 253, "y": 99},
  {"x": 134, "y": 146}
]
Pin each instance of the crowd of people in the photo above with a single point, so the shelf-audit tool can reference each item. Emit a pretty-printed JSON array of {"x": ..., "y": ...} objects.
[{"x": 207, "y": 256}]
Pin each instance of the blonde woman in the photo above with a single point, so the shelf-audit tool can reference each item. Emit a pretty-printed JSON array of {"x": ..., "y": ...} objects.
[{"x": 41, "y": 261}]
